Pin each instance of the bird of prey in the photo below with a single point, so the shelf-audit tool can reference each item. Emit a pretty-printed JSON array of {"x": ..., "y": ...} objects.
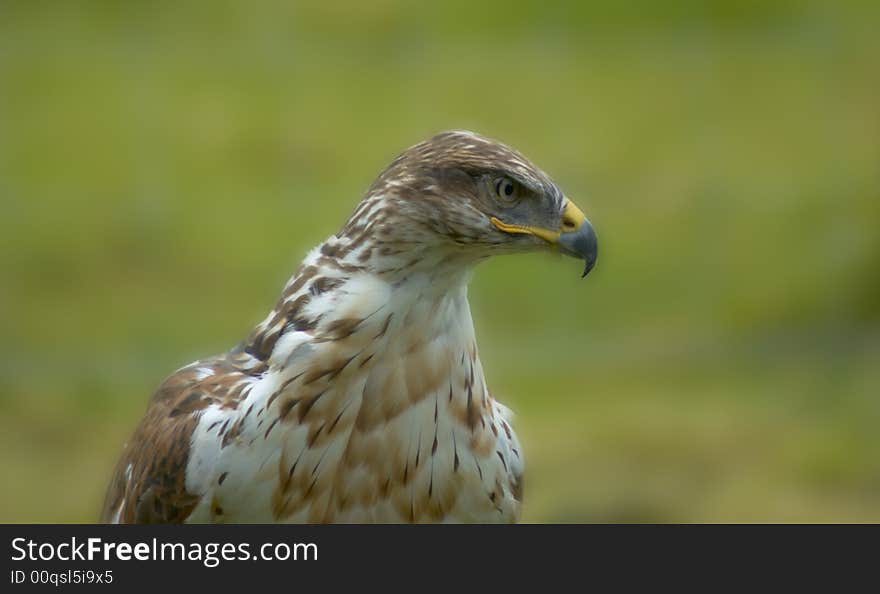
[{"x": 361, "y": 396}]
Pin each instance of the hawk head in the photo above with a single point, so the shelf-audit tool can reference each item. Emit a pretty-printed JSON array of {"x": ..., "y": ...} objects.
[{"x": 468, "y": 195}]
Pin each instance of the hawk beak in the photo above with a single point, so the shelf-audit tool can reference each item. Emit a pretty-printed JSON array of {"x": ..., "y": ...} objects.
[
  {"x": 575, "y": 236},
  {"x": 578, "y": 238}
]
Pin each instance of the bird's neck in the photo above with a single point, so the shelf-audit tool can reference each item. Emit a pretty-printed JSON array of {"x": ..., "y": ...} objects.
[{"x": 338, "y": 293}]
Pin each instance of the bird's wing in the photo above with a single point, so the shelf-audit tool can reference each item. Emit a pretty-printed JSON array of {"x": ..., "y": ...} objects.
[{"x": 149, "y": 483}]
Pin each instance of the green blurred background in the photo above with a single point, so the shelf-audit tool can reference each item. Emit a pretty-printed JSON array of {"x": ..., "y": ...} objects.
[{"x": 164, "y": 166}]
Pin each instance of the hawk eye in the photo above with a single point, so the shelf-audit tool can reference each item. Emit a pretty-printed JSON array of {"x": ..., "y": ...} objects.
[{"x": 505, "y": 188}]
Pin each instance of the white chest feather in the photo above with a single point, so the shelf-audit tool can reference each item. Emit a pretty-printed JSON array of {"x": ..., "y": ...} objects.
[{"x": 380, "y": 413}]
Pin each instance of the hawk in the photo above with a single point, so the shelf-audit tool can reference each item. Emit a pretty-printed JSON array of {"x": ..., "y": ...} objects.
[{"x": 361, "y": 396}]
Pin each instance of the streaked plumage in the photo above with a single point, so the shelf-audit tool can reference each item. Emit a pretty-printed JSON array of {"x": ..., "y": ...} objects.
[{"x": 361, "y": 397}]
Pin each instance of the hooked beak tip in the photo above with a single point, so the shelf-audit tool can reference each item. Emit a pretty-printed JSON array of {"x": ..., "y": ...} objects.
[{"x": 588, "y": 267}]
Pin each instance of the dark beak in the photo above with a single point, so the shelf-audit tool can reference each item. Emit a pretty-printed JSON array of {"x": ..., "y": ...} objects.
[{"x": 581, "y": 243}]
